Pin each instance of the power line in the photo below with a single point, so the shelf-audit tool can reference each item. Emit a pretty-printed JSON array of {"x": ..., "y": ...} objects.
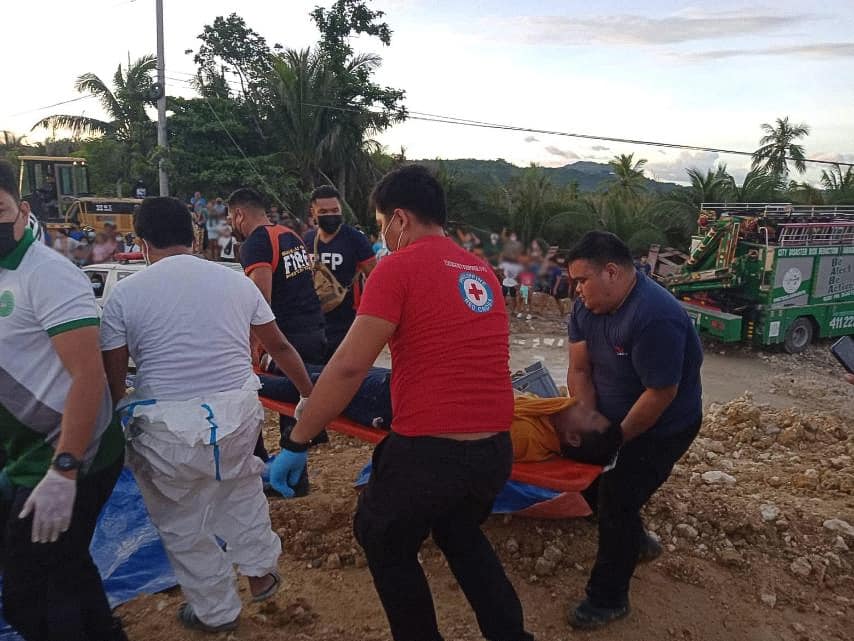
[
  {"x": 453, "y": 120},
  {"x": 56, "y": 104}
]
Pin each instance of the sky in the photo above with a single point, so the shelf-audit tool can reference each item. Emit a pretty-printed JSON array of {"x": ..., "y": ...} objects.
[{"x": 705, "y": 75}]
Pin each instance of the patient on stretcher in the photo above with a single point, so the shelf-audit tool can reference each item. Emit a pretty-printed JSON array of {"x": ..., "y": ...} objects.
[
  {"x": 541, "y": 429},
  {"x": 547, "y": 427}
]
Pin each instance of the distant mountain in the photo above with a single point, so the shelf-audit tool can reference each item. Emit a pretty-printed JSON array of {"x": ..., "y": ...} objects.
[{"x": 590, "y": 176}]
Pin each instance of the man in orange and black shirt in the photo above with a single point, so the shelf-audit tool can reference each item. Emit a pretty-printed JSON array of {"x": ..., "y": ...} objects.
[{"x": 283, "y": 274}]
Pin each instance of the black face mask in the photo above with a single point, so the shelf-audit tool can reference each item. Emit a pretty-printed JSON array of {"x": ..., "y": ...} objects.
[
  {"x": 330, "y": 223},
  {"x": 7, "y": 239}
]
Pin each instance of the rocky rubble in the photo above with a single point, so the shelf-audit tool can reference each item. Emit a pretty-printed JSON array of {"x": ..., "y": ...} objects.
[{"x": 761, "y": 483}]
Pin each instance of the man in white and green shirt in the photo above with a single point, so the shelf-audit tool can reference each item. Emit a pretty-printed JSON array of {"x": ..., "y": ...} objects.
[{"x": 63, "y": 449}]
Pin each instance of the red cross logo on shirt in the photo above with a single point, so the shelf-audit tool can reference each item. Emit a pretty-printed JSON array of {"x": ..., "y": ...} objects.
[{"x": 475, "y": 292}]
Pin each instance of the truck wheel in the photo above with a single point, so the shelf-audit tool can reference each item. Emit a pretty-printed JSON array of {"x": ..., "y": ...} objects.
[{"x": 798, "y": 336}]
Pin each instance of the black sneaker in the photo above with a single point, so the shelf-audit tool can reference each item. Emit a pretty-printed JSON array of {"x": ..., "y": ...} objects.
[
  {"x": 650, "y": 549},
  {"x": 587, "y": 616}
]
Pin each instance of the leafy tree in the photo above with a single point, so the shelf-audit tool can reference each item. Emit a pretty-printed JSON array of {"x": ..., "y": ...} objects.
[
  {"x": 360, "y": 107},
  {"x": 778, "y": 145},
  {"x": 229, "y": 45},
  {"x": 204, "y": 157}
]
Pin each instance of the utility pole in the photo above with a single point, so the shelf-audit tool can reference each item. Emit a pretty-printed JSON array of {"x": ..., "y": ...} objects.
[{"x": 161, "y": 101}]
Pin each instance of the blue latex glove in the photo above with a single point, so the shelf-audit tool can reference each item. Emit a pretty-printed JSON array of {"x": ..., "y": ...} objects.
[{"x": 285, "y": 471}]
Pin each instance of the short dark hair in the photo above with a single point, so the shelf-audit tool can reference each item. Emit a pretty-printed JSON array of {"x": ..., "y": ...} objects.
[
  {"x": 411, "y": 187},
  {"x": 601, "y": 248},
  {"x": 324, "y": 191},
  {"x": 9, "y": 180},
  {"x": 163, "y": 222},
  {"x": 247, "y": 197}
]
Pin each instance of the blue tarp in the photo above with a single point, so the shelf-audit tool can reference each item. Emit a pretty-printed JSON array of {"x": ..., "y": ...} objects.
[{"x": 126, "y": 548}]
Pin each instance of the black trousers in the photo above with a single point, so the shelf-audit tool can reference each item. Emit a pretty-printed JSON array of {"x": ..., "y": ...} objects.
[
  {"x": 52, "y": 591},
  {"x": 643, "y": 466},
  {"x": 311, "y": 346},
  {"x": 422, "y": 486}
]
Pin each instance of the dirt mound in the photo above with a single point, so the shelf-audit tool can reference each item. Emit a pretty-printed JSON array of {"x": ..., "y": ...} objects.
[{"x": 756, "y": 522}]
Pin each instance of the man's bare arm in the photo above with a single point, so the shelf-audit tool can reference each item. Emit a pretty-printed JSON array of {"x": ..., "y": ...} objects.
[
  {"x": 80, "y": 354},
  {"x": 579, "y": 376},
  {"x": 116, "y": 367},
  {"x": 285, "y": 356},
  {"x": 647, "y": 410}
]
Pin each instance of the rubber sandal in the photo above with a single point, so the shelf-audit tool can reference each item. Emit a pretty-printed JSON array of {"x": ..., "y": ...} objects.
[
  {"x": 190, "y": 621},
  {"x": 274, "y": 587}
]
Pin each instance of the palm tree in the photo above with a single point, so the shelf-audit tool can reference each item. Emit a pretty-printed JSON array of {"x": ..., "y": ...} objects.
[
  {"x": 127, "y": 122},
  {"x": 532, "y": 197},
  {"x": 11, "y": 146},
  {"x": 713, "y": 186},
  {"x": 758, "y": 186},
  {"x": 839, "y": 186},
  {"x": 628, "y": 177},
  {"x": 803, "y": 193},
  {"x": 11, "y": 141},
  {"x": 124, "y": 104},
  {"x": 322, "y": 127},
  {"x": 778, "y": 146},
  {"x": 305, "y": 129}
]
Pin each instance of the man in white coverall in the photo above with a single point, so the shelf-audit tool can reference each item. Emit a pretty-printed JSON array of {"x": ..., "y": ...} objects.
[{"x": 194, "y": 417}]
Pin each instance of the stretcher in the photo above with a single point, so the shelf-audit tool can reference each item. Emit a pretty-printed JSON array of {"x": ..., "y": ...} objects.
[{"x": 558, "y": 474}]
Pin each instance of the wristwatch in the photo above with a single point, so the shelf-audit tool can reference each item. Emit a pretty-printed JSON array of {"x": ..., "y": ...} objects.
[{"x": 65, "y": 462}]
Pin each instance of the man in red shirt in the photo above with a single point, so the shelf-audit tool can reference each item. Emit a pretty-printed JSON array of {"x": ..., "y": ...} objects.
[{"x": 449, "y": 452}]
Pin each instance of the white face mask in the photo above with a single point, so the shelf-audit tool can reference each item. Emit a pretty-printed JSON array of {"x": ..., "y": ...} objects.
[
  {"x": 383, "y": 241},
  {"x": 145, "y": 257}
]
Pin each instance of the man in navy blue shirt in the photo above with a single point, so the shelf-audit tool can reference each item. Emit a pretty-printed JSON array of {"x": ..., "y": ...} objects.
[
  {"x": 283, "y": 274},
  {"x": 345, "y": 251},
  {"x": 635, "y": 356}
]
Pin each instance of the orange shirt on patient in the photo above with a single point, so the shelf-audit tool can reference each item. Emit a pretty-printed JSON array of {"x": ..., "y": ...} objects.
[{"x": 533, "y": 434}]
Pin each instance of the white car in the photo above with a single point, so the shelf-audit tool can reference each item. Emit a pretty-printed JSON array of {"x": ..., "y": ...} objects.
[{"x": 104, "y": 276}]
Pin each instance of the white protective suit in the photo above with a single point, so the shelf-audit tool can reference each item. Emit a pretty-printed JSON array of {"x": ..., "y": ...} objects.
[{"x": 194, "y": 464}]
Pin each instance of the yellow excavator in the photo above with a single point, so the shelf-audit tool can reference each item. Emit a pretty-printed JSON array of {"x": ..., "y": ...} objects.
[{"x": 57, "y": 189}]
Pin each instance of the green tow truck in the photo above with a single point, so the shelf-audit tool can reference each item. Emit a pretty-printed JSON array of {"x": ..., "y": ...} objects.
[{"x": 766, "y": 273}]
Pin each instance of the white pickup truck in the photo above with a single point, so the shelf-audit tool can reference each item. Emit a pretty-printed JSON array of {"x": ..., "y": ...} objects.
[{"x": 104, "y": 276}]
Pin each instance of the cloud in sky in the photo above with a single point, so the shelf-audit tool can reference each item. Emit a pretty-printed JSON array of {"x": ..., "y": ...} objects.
[
  {"x": 630, "y": 29},
  {"x": 816, "y": 50},
  {"x": 531, "y": 139},
  {"x": 673, "y": 169},
  {"x": 600, "y": 148},
  {"x": 568, "y": 154},
  {"x": 833, "y": 157}
]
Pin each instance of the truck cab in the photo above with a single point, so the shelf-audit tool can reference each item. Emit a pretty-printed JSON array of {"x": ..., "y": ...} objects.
[
  {"x": 769, "y": 273},
  {"x": 51, "y": 183}
]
